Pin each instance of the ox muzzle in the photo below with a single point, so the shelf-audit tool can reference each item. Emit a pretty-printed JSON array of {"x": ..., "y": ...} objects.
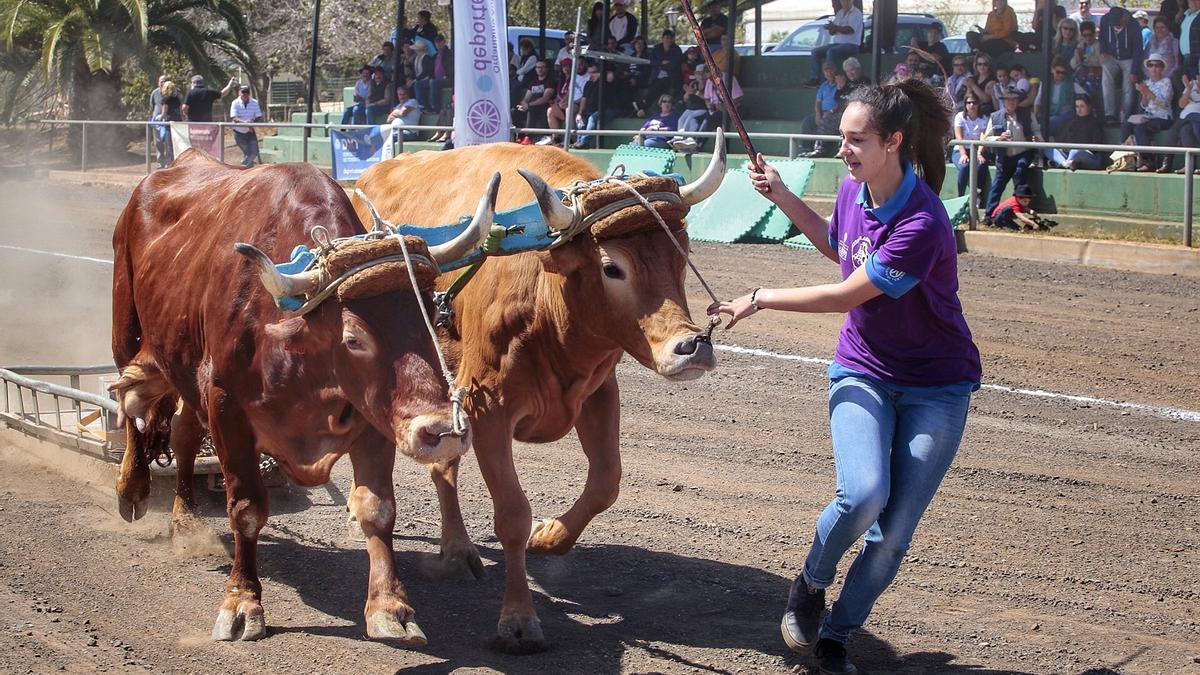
[{"x": 686, "y": 357}]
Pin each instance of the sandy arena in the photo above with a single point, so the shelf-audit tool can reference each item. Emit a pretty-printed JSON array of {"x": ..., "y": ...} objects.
[{"x": 1065, "y": 539}]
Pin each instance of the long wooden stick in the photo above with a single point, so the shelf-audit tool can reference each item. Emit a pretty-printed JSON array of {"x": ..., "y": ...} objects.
[{"x": 716, "y": 74}]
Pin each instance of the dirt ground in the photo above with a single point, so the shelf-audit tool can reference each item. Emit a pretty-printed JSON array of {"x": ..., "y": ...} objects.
[{"x": 1064, "y": 539}]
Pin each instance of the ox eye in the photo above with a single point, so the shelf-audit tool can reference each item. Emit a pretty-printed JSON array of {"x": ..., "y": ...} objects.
[
  {"x": 612, "y": 271},
  {"x": 353, "y": 343}
]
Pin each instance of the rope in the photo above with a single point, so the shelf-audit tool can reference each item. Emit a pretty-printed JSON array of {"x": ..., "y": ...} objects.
[{"x": 714, "y": 320}]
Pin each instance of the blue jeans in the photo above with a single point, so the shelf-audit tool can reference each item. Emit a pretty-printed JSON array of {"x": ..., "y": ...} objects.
[
  {"x": 836, "y": 53},
  {"x": 593, "y": 122},
  {"x": 983, "y": 175},
  {"x": 892, "y": 446},
  {"x": 355, "y": 114},
  {"x": 1007, "y": 168},
  {"x": 1084, "y": 159},
  {"x": 247, "y": 142}
]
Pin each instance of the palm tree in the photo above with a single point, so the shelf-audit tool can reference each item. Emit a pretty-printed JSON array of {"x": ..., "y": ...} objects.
[{"x": 85, "y": 45}]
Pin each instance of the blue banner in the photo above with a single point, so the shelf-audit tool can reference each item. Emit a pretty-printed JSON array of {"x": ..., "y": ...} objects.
[{"x": 354, "y": 150}]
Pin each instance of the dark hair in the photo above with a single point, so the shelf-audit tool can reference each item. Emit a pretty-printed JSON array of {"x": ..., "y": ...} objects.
[
  {"x": 424, "y": 14},
  {"x": 1086, "y": 25},
  {"x": 669, "y": 32},
  {"x": 921, "y": 114}
]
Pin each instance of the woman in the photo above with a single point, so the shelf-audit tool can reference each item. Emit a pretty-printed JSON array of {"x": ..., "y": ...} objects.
[
  {"x": 969, "y": 126},
  {"x": 170, "y": 110},
  {"x": 1084, "y": 128},
  {"x": 1162, "y": 42},
  {"x": 999, "y": 34},
  {"x": 1186, "y": 130},
  {"x": 556, "y": 115},
  {"x": 1062, "y": 95},
  {"x": 905, "y": 364},
  {"x": 595, "y": 25},
  {"x": 1154, "y": 113},
  {"x": 526, "y": 62},
  {"x": 639, "y": 76},
  {"x": 1066, "y": 39},
  {"x": 666, "y": 120},
  {"x": 981, "y": 84},
  {"x": 694, "y": 116}
]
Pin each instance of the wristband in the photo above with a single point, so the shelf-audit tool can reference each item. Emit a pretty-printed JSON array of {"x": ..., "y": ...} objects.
[{"x": 753, "y": 298}]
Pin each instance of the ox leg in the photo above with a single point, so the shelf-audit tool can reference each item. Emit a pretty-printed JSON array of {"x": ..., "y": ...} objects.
[
  {"x": 373, "y": 503},
  {"x": 598, "y": 427},
  {"x": 187, "y": 434},
  {"x": 519, "y": 630},
  {"x": 458, "y": 557},
  {"x": 133, "y": 482},
  {"x": 241, "y": 614}
]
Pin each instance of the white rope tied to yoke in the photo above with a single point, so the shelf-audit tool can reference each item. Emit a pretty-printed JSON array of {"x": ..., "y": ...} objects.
[
  {"x": 457, "y": 395},
  {"x": 713, "y": 320}
]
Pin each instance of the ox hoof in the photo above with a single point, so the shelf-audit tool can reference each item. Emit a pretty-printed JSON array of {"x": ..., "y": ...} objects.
[
  {"x": 245, "y": 623},
  {"x": 550, "y": 536},
  {"x": 131, "y": 510},
  {"x": 385, "y": 626},
  {"x": 519, "y": 636},
  {"x": 465, "y": 565}
]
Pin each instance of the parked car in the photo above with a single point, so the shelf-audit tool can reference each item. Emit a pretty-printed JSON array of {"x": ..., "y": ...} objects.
[
  {"x": 957, "y": 44},
  {"x": 748, "y": 49},
  {"x": 811, "y": 35},
  {"x": 555, "y": 39}
]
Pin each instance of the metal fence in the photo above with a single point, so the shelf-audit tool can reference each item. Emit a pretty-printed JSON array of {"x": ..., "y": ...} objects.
[
  {"x": 65, "y": 415},
  {"x": 794, "y": 141}
]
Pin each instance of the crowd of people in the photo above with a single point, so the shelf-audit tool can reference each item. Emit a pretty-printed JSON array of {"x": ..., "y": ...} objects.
[{"x": 170, "y": 103}]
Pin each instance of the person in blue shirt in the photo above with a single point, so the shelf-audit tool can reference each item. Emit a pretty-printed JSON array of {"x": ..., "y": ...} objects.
[{"x": 824, "y": 103}]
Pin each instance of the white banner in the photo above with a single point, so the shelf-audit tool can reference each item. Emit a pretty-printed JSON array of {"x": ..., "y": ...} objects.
[
  {"x": 481, "y": 105},
  {"x": 205, "y": 137}
]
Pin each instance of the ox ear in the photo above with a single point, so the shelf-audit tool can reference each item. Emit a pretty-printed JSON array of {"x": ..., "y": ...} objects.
[
  {"x": 703, "y": 187},
  {"x": 290, "y": 333}
]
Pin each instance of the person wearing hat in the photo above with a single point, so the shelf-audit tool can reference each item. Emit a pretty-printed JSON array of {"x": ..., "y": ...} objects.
[
  {"x": 423, "y": 81},
  {"x": 1121, "y": 60},
  {"x": 623, "y": 26},
  {"x": 1154, "y": 112},
  {"x": 246, "y": 109},
  {"x": 198, "y": 103},
  {"x": 1143, "y": 20},
  {"x": 1012, "y": 163},
  {"x": 357, "y": 113},
  {"x": 1005, "y": 216}
]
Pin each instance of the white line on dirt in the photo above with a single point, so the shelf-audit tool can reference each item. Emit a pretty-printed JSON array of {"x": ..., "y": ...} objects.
[
  {"x": 56, "y": 254},
  {"x": 1157, "y": 411}
]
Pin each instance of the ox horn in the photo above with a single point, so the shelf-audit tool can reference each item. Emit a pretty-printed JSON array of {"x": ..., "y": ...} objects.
[
  {"x": 710, "y": 180},
  {"x": 476, "y": 232},
  {"x": 557, "y": 215},
  {"x": 278, "y": 284}
]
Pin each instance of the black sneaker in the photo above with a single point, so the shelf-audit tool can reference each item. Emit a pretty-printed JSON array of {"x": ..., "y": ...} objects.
[
  {"x": 831, "y": 658},
  {"x": 802, "y": 620}
]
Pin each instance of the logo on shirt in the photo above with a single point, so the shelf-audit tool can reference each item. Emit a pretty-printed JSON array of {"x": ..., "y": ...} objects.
[
  {"x": 842, "y": 248},
  {"x": 893, "y": 274},
  {"x": 861, "y": 250}
]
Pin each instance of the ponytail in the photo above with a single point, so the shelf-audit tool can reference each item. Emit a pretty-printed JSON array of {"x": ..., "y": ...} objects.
[{"x": 921, "y": 114}]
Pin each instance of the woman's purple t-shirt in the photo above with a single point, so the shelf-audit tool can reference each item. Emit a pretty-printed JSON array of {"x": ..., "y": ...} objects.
[{"x": 914, "y": 334}]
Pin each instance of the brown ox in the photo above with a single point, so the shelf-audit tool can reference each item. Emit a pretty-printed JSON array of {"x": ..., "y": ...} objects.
[
  {"x": 192, "y": 322},
  {"x": 537, "y": 337}
]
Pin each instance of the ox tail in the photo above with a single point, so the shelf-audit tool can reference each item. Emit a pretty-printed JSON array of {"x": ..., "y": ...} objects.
[{"x": 126, "y": 329}]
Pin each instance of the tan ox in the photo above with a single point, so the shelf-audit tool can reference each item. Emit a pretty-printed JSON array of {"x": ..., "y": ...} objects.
[{"x": 537, "y": 337}]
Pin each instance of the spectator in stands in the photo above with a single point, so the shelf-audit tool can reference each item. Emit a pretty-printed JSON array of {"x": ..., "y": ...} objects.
[
  {"x": 381, "y": 97},
  {"x": 422, "y": 85},
  {"x": 526, "y": 62},
  {"x": 666, "y": 120},
  {"x": 1120, "y": 59},
  {"x": 981, "y": 83},
  {"x": 564, "y": 102},
  {"x": 1154, "y": 113},
  {"x": 170, "y": 109},
  {"x": 408, "y": 61},
  {"x": 385, "y": 59},
  {"x": 595, "y": 25},
  {"x": 1011, "y": 163},
  {"x": 1166, "y": 45},
  {"x": 406, "y": 113},
  {"x": 1189, "y": 39},
  {"x": 1061, "y": 95},
  {"x": 823, "y": 104},
  {"x": 845, "y": 30},
  {"x": 956, "y": 84},
  {"x": 1085, "y": 13},
  {"x": 691, "y": 61},
  {"x": 618, "y": 84},
  {"x": 1186, "y": 130},
  {"x": 1029, "y": 89},
  {"x": 566, "y": 51},
  {"x": 357, "y": 112},
  {"x": 1002, "y": 84},
  {"x": 246, "y": 109},
  {"x": 531, "y": 111},
  {"x": 1087, "y": 81},
  {"x": 1172, "y": 11},
  {"x": 1084, "y": 128},
  {"x": 1087, "y": 50},
  {"x": 694, "y": 116},
  {"x": 424, "y": 28},
  {"x": 639, "y": 77},
  {"x": 714, "y": 25},
  {"x": 715, "y": 106},
  {"x": 623, "y": 26},
  {"x": 198, "y": 103},
  {"x": 854, "y": 75},
  {"x": 933, "y": 45},
  {"x": 666, "y": 64},
  {"x": 443, "y": 72},
  {"x": 999, "y": 31},
  {"x": 919, "y": 64},
  {"x": 1143, "y": 20},
  {"x": 831, "y": 122},
  {"x": 721, "y": 57},
  {"x": 969, "y": 125},
  {"x": 1065, "y": 40},
  {"x": 589, "y": 107}
]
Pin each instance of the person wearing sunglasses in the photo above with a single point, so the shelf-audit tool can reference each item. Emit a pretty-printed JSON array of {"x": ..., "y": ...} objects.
[
  {"x": 981, "y": 84},
  {"x": 969, "y": 125},
  {"x": 1062, "y": 94},
  {"x": 1154, "y": 113}
]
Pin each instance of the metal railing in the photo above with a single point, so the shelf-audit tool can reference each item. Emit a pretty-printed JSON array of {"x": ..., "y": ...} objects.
[
  {"x": 37, "y": 408},
  {"x": 794, "y": 140}
]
